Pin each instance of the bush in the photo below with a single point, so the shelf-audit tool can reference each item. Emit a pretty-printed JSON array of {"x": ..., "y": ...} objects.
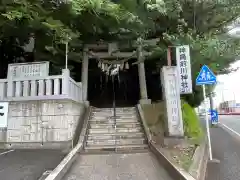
[
  {"x": 154, "y": 115},
  {"x": 192, "y": 126}
]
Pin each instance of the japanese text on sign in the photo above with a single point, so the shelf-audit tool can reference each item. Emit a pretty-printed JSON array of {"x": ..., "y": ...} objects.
[
  {"x": 184, "y": 69},
  {"x": 22, "y": 70},
  {"x": 171, "y": 92},
  {"x": 172, "y": 95}
]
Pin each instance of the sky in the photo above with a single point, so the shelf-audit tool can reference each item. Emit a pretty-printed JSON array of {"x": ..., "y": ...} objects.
[{"x": 228, "y": 86}]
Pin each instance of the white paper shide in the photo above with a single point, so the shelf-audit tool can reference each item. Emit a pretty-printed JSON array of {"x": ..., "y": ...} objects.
[
  {"x": 172, "y": 99},
  {"x": 184, "y": 69}
]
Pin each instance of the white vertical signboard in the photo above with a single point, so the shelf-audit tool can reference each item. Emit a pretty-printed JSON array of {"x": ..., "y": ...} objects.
[
  {"x": 3, "y": 114},
  {"x": 172, "y": 100},
  {"x": 184, "y": 69}
]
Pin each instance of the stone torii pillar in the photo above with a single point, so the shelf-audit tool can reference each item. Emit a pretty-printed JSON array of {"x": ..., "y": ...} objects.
[
  {"x": 85, "y": 75},
  {"x": 141, "y": 74}
]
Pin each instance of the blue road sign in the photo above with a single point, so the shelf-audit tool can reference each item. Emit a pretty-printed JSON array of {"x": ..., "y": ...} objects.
[
  {"x": 214, "y": 117},
  {"x": 206, "y": 76}
]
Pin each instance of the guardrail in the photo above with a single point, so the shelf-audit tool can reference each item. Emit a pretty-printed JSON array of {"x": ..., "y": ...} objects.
[{"x": 41, "y": 88}]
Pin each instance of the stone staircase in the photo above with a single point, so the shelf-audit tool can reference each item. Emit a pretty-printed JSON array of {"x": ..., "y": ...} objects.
[{"x": 104, "y": 134}]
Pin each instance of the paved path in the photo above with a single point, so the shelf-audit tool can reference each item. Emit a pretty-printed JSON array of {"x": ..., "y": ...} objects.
[
  {"x": 226, "y": 148},
  {"x": 140, "y": 166},
  {"x": 27, "y": 164}
]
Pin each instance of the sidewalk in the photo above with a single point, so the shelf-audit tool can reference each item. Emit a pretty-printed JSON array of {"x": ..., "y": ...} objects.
[{"x": 226, "y": 148}]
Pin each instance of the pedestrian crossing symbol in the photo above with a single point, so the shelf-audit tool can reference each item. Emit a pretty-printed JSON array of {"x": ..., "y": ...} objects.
[
  {"x": 214, "y": 117},
  {"x": 206, "y": 76}
]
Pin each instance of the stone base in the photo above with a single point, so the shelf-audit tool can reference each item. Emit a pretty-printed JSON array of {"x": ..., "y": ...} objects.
[
  {"x": 86, "y": 103},
  {"x": 67, "y": 145},
  {"x": 174, "y": 141},
  {"x": 145, "y": 101}
]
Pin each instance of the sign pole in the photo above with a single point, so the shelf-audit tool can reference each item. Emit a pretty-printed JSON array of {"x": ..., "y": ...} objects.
[
  {"x": 207, "y": 123},
  {"x": 169, "y": 58},
  {"x": 66, "y": 55}
]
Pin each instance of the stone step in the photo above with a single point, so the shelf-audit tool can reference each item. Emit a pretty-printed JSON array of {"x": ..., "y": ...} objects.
[
  {"x": 110, "y": 116},
  {"x": 113, "y": 130},
  {"x": 102, "y": 116},
  {"x": 112, "y": 124},
  {"x": 111, "y": 113},
  {"x": 116, "y": 142},
  {"x": 118, "y": 109},
  {"x": 124, "y": 152},
  {"x": 106, "y": 121},
  {"x": 119, "y": 148},
  {"x": 112, "y": 110},
  {"x": 116, "y": 136}
]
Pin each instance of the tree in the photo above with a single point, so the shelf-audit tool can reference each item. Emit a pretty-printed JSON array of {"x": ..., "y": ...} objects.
[{"x": 201, "y": 24}]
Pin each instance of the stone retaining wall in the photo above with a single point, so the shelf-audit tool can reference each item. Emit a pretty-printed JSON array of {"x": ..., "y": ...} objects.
[
  {"x": 3, "y": 135},
  {"x": 42, "y": 122}
]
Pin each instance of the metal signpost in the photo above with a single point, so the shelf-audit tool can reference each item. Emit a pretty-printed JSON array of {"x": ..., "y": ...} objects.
[
  {"x": 206, "y": 77},
  {"x": 214, "y": 117}
]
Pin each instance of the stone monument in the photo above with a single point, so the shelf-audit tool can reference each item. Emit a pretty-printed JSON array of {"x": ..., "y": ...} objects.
[{"x": 171, "y": 93}]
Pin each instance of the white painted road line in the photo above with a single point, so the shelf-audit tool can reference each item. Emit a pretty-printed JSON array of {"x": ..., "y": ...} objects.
[
  {"x": 236, "y": 133},
  {"x": 6, "y": 152}
]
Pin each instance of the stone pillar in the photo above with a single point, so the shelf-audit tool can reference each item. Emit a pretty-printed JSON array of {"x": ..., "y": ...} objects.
[
  {"x": 142, "y": 77},
  {"x": 85, "y": 75},
  {"x": 65, "y": 83}
]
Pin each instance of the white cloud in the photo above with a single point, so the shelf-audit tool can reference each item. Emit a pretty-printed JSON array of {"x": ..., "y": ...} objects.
[{"x": 228, "y": 86}]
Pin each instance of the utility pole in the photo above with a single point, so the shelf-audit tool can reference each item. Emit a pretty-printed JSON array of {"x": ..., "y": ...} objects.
[{"x": 211, "y": 100}]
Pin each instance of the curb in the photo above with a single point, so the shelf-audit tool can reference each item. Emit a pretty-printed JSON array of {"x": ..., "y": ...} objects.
[
  {"x": 65, "y": 164},
  {"x": 62, "y": 168},
  {"x": 200, "y": 157},
  {"x": 200, "y": 160},
  {"x": 173, "y": 170}
]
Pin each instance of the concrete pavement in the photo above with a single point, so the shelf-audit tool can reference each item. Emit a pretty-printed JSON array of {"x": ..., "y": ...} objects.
[
  {"x": 27, "y": 164},
  {"x": 226, "y": 148},
  {"x": 137, "y": 166}
]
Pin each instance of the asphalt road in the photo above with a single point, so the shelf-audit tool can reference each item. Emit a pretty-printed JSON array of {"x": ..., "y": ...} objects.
[
  {"x": 225, "y": 148},
  {"x": 27, "y": 164}
]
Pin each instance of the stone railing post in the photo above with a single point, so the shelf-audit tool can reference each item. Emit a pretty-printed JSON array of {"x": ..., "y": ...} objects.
[
  {"x": 10, "y": 87},
  {"x": 65, "y": 81}
]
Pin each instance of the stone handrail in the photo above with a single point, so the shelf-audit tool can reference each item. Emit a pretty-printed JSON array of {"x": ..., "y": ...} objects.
[
  {"x": 41, "y": 88},
  {"x": 75, "y": 89}
]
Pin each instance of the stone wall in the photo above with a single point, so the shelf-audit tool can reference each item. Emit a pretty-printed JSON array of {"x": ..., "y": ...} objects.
[
  {"x": 47, "y": 122},
  {"x": 3, "y": 135}
]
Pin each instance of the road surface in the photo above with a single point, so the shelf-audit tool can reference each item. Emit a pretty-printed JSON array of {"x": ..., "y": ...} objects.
[
  {"x": 226, "y": 148},
  {"x": 27, "y": 164}
]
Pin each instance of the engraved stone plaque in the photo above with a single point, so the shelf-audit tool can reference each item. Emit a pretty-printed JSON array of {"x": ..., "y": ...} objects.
[{"x": 24, "y": 70}]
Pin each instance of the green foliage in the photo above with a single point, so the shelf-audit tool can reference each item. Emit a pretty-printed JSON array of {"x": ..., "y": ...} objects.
[
  {"x": 192, "y": 126},
  {"x": 201, "y": 24}
]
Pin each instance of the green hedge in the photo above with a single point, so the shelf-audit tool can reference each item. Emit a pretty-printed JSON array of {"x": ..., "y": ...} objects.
[{"x": 192, "y": 126}]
